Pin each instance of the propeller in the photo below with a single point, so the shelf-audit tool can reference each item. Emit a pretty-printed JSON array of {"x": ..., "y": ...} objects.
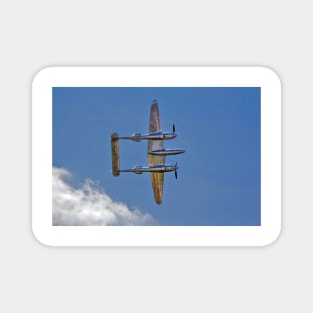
[
  {"x": 176, "y": 170},
  {"x": 174, "y": 131}
]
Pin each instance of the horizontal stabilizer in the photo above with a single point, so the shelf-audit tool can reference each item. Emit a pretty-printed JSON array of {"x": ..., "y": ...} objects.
[{"x": 115, "y": 154}]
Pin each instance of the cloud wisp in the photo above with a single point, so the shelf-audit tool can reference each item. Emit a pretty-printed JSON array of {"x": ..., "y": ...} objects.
[{"x": 89, "y": 205}]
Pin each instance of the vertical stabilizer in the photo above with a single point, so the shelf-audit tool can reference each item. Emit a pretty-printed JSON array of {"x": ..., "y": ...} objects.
[{"x": 115, "y": 154}]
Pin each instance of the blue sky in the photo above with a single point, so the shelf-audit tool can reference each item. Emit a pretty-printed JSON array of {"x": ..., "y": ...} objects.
[{"x": 219, "y": 175}]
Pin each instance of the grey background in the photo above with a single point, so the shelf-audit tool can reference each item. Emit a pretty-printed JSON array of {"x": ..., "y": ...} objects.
[{"x": 38, "y": 34}]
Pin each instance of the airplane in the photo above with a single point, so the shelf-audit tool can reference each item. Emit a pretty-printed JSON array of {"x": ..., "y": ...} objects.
[{"x": 156, "y": 153}]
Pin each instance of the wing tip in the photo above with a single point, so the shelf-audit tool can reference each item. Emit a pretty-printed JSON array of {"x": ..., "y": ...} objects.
[
  {"x": 158, "y": 199},
  {"x": 155, "y": 105}
]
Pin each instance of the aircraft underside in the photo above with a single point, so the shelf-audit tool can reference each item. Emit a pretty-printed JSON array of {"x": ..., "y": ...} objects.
[{"x": 156, "y": 153}]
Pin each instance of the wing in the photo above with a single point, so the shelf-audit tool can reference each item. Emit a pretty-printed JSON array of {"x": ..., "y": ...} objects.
[
  {"x": 155, "y": 125},
  {"x": 157, "y": 179}
]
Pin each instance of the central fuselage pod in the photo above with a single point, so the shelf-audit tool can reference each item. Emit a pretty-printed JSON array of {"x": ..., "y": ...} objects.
[{"x": 166, "y": 152}]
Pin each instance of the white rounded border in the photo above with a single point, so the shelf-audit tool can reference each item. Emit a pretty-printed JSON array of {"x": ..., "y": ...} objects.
[{"x": 156, "y": 235}]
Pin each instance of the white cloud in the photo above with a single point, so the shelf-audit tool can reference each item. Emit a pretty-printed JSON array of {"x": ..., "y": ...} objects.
[{"x": 89, "y": 205}]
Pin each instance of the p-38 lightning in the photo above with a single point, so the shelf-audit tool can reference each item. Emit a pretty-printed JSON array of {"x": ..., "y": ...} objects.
[{"x": 156, "y": 153}]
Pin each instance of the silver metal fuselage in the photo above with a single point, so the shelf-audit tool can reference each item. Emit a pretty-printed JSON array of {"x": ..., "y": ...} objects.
[{"x": 166, "y": 152}]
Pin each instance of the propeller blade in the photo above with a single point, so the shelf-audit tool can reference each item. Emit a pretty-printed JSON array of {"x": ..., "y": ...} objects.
[
  {"x": 173, "y": 128},
  {"x": 176, "y": 170}
]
